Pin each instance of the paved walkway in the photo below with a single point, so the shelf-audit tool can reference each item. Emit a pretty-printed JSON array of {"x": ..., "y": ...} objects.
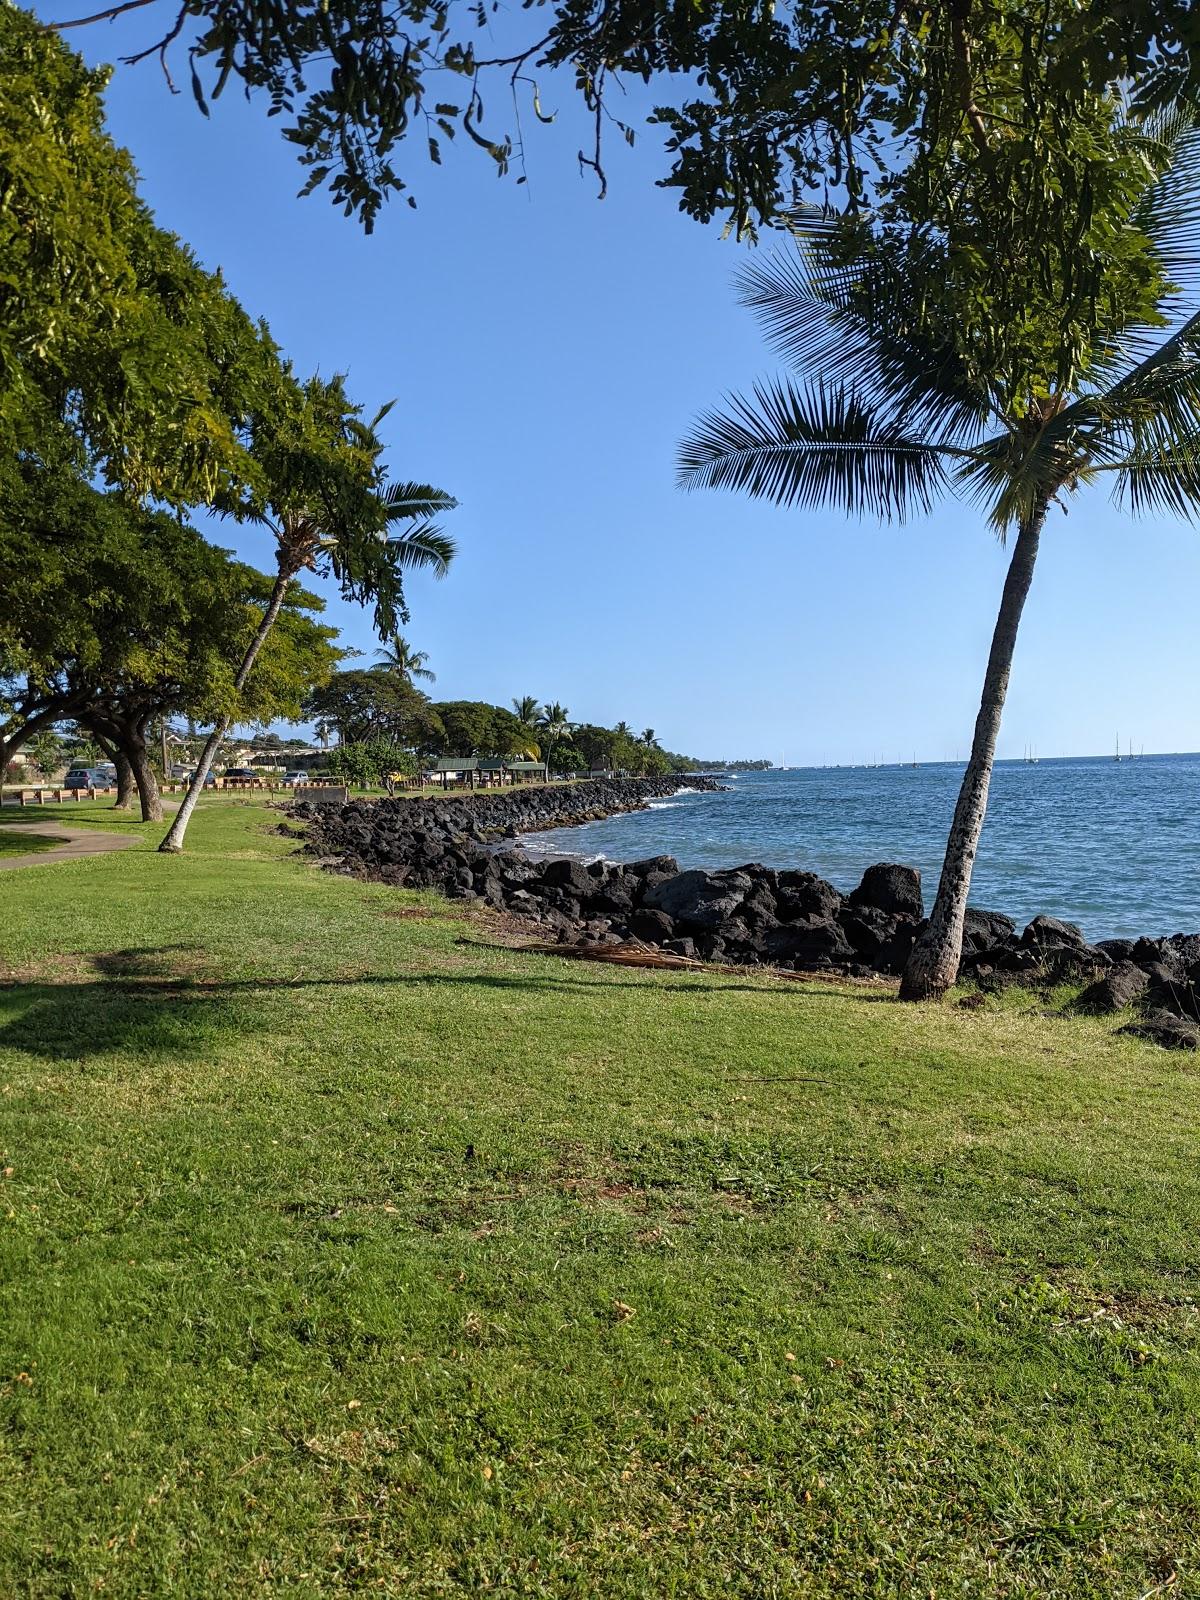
[{"x": 75, "y": 843}]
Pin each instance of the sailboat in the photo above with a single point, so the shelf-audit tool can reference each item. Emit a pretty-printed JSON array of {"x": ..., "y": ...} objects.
[{"x": 1117, "y": 757}]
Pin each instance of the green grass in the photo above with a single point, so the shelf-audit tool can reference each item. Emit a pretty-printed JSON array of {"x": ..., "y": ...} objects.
[
  {"x": 345, "y": 1252},
  {"x": 14, "y": 843}
]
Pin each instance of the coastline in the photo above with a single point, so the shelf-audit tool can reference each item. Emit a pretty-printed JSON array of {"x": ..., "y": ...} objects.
[{"x": 468, "y": 848}]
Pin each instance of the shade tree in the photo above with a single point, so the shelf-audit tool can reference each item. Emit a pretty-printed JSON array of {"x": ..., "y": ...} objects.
[
  {"x": 118, "y": 351},
  {"x": 114, "y": 617},
  {"x": 757, "y": 103},
  {"x": 364, "y": 705}
]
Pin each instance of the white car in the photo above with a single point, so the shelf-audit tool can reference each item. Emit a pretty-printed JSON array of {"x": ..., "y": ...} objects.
[{"x": 291, "y": 779}]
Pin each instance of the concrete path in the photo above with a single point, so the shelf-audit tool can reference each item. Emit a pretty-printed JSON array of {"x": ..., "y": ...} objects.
[{"x": 76, "y": 842}]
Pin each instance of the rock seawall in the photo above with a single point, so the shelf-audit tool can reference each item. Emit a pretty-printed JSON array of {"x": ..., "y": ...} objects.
[{"x": 748, "y": 915}]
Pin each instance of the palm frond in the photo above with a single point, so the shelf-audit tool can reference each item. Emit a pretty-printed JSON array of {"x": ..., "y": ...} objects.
[
  {"x": 1147, "y": 410},
  {"x": 845, "y": 313},
  {"x": 1011, "y": 474},
  {"x": 1169, "y": 216},
  {"x": 424, "y": 548},
  {"x": 1158, "y": 480},
  {"x": 414, "y": 500},
  {"x": 813, "y": 446},
  {"x": 1170, "y": 213}
]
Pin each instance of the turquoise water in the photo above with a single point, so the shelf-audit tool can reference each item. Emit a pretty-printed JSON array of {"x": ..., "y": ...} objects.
[{"x": 1114, "y": 847}]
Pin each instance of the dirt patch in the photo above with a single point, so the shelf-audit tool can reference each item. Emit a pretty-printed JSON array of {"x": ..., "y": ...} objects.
[
  {"x": 68, "y": 968},
  {"x": 146, "y": 969},
  {"x": 1136, "y": 1309}
]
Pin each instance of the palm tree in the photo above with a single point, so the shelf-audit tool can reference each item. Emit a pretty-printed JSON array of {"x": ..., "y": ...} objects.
[
  {"x": 403, "y": 661},
  {"x": 648, "y": 738},
  {"x": 891, "y": 414},
  {"x": 554, "y": 722},
  {"x": 527, "y": 710},
  {"x": 330, "y": 510}
]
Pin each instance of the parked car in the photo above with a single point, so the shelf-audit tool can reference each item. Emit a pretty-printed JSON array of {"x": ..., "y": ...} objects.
[
  {"x": 241, "y": 774},
  {"x": 86, "y": 778},
  {"x": 291, "y": 779},
  {"x": 187, "y": 773}
]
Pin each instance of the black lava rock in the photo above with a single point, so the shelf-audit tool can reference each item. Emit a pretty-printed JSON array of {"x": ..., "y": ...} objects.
[{"x": 891, "y": 888}]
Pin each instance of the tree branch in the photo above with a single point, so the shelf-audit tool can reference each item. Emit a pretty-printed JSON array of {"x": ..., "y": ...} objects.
[
  {"x": 962, "y": 55},
  {"x": 110, "y": 15}
]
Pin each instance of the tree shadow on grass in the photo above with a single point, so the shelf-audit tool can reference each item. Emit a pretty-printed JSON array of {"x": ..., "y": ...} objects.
[
  {"x": 65, "y": 815},
  {"x": 157, "y": 1000}
]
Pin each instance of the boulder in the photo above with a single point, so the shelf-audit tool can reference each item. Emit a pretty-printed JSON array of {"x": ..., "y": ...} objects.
[
  {"x": 1179, "y": 996},
  {"x": 571, "y": 876},
  {"x": 1118, "y": 988},
  {"x": 615, "y": 891},
  {"x": 890, "y": 888},
  {"x": 815, "y": 942},
  {"x": 1160, "y": 1027},
  {"x": 1071, "y": 963},
  {"x": 892, "y": 957},
  {"x": 652, "y": 927},
  {"x": 1184, "y": 948},
  {"x": 1048, "y": 933},
  {"x": 758, "y": 907},
  {"x": 984, "y": 930},
  {"x": 1117, "y": 949},
  {"x": 665, "y": 866},
  {"x": 867, "y": 928},
  {"x": 702, "y": 900},
  {"x": 803, "y": 894}
]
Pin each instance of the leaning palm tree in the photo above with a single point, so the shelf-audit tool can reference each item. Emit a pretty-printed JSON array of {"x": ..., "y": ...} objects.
[
  {"x": 891, "y": 413},
  {"x": 527, "y": 710},
  {"x": 403, "y": 662},
  {"x": 331, "y": 511}
]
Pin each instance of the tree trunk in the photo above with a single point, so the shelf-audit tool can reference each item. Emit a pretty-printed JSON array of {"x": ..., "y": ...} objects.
[
  {"x": 125, "y": 780},
  {"x": 933, "y": 965},
  {"x": 126, "y": 783},
  {"x": 134, "y": 745},
  {"x": 175, "y": 833}
]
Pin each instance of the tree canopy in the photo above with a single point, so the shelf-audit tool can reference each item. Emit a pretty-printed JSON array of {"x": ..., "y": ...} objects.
[
  {"x": 364, "y": 705},
  {"x": 117, "y": 349},
  {"x": 759, "y": 103},
  {"x": 108, "y": 609}
]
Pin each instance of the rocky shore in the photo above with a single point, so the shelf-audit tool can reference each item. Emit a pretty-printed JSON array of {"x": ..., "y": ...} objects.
[{"x": 744, "y": 915}]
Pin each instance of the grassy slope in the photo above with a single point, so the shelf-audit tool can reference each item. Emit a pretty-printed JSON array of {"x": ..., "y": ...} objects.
[{"x": 343, "y": 1251}]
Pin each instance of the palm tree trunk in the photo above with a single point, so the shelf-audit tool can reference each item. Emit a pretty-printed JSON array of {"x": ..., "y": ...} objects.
[
  {"x": 175, "y": 834},
  {"x": 933, "y": 965}
]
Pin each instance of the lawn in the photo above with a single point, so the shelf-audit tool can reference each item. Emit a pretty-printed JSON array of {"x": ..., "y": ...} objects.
[{"x": 347, "y": 1251}]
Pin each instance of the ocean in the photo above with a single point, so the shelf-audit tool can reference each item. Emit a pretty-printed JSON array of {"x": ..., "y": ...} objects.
[{"x": 1112, "y": 846}]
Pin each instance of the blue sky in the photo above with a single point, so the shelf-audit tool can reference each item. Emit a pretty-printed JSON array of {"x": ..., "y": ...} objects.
[{"x": 547, "y": 351}]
